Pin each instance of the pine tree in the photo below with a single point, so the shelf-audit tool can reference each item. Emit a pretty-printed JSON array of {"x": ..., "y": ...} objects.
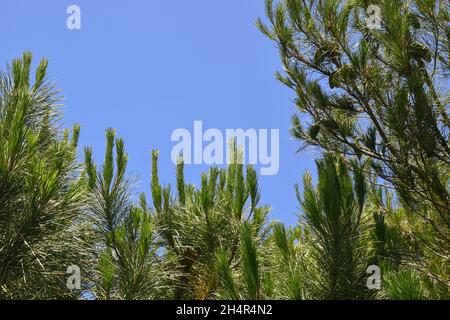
[
  {"x": 336, "y": 231},
  {"x": 41, "y": 196},
  {"x": 200, "y": 225},
  {"x": 128, "y": 263},
  {"x": 378, "y": 94},
  {"x": 247, "y": 278},
  {"x": 288, "y": 262}
]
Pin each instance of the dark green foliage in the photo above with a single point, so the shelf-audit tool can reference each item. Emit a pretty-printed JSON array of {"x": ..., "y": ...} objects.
[{"x": 334, "y": 218}]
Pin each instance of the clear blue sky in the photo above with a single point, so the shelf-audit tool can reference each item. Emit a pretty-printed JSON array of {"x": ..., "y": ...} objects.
[{"x": 147, "y": 67}]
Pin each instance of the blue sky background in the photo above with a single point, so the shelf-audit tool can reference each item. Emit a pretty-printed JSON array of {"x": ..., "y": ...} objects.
[{"x": 147, "y": 67}]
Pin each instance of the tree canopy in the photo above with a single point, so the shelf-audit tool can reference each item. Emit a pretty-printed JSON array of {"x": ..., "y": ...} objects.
[{"x": 375, "y": 225}]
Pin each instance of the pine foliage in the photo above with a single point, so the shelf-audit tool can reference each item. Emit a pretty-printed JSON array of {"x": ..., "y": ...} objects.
[
  {"x": 41, "y": 196},
  {"x": 380, "y": 95},
  {"x": 375, "y": 101}
]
